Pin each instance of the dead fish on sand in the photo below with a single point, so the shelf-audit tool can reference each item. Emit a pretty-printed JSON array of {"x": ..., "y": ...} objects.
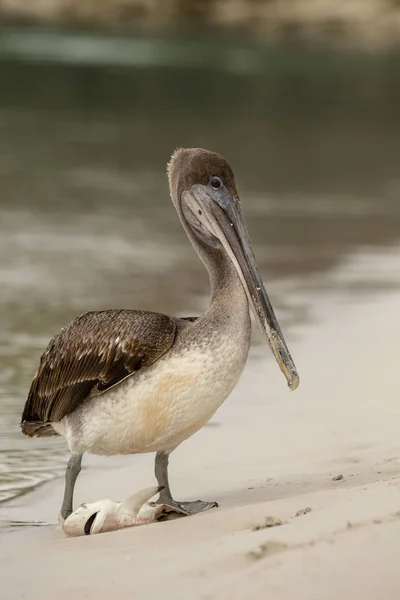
[{"x": 107, "y": 515}]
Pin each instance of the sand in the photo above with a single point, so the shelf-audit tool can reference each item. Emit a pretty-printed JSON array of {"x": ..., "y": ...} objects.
[{"x": 333, "y": 447}]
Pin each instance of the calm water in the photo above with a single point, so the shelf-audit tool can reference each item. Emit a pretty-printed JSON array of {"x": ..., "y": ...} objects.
[{"x": 87, "y": 125}]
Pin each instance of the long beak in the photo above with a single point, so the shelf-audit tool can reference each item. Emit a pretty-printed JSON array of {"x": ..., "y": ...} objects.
[{"x": 227, "y": 224}]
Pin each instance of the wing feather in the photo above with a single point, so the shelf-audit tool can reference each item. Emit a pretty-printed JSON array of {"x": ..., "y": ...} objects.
[{"x": 96, "y": 351}]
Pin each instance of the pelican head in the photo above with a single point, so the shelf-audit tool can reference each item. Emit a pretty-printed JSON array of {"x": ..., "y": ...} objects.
[{"x": 204, "y": 193}]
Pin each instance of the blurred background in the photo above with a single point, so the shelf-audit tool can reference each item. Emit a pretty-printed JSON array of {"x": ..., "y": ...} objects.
[{"x": 303, "y": 100}]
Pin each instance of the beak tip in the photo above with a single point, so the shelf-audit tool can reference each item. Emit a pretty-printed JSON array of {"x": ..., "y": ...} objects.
[{"x": 294, "y": 383}]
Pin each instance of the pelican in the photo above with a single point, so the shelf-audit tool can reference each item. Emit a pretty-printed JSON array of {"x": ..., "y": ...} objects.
[{"x": 131, "y": 381}]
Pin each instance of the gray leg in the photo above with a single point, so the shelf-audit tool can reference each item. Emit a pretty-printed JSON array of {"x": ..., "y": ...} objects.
[
  {"x": 161, "y": 473},
  {"x": 71, "y": 474}
]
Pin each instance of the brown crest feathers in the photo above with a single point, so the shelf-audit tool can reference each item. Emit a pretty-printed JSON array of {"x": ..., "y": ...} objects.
[{"x": 191, "y": 166}]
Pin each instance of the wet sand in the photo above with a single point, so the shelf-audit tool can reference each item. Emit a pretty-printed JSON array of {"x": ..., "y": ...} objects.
[{"x": 266, "y": 459}]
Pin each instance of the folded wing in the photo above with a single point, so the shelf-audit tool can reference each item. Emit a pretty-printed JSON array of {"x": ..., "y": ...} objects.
[{"x": 95, "y": 352}]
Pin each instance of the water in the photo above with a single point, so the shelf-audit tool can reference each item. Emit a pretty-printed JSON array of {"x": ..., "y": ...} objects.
[{"x": 86, "y": 127}]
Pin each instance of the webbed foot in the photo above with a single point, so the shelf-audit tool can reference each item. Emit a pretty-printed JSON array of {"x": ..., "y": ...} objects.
[{"x": 187, "y": 508}]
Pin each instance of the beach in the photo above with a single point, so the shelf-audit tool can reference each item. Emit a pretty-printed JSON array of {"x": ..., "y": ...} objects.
[
  {"x": 322, "y": 465},
  {"x": 307, "y": 482}
]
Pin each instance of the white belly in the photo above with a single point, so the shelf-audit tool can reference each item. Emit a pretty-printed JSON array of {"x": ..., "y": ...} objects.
[{"x": 159, "y": 407}]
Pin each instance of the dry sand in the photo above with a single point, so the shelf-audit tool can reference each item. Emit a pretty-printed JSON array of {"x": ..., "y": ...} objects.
[{"x": 273, "y": 455}]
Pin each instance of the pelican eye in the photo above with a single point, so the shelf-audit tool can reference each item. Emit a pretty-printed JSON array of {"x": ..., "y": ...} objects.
[{"x": 216, "y": 183}]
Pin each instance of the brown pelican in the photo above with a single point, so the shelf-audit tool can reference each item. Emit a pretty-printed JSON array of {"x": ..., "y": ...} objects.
[{"x": 131, "y": 381}]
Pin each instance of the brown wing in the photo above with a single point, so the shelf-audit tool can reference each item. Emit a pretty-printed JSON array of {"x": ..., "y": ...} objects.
[{"x": 93, "y": 353}]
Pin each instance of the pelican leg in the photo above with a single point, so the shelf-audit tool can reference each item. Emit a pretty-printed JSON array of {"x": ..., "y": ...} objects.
[
  {"x": 71, "y": 475},
  {"x": 161, "y": 473}
]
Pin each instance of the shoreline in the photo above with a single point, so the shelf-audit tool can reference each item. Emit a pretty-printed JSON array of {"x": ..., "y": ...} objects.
[
  {"x": 269, "y": 458},
  {"x": 375, "y": 26},
  {"x": 312, "y": 295}
]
